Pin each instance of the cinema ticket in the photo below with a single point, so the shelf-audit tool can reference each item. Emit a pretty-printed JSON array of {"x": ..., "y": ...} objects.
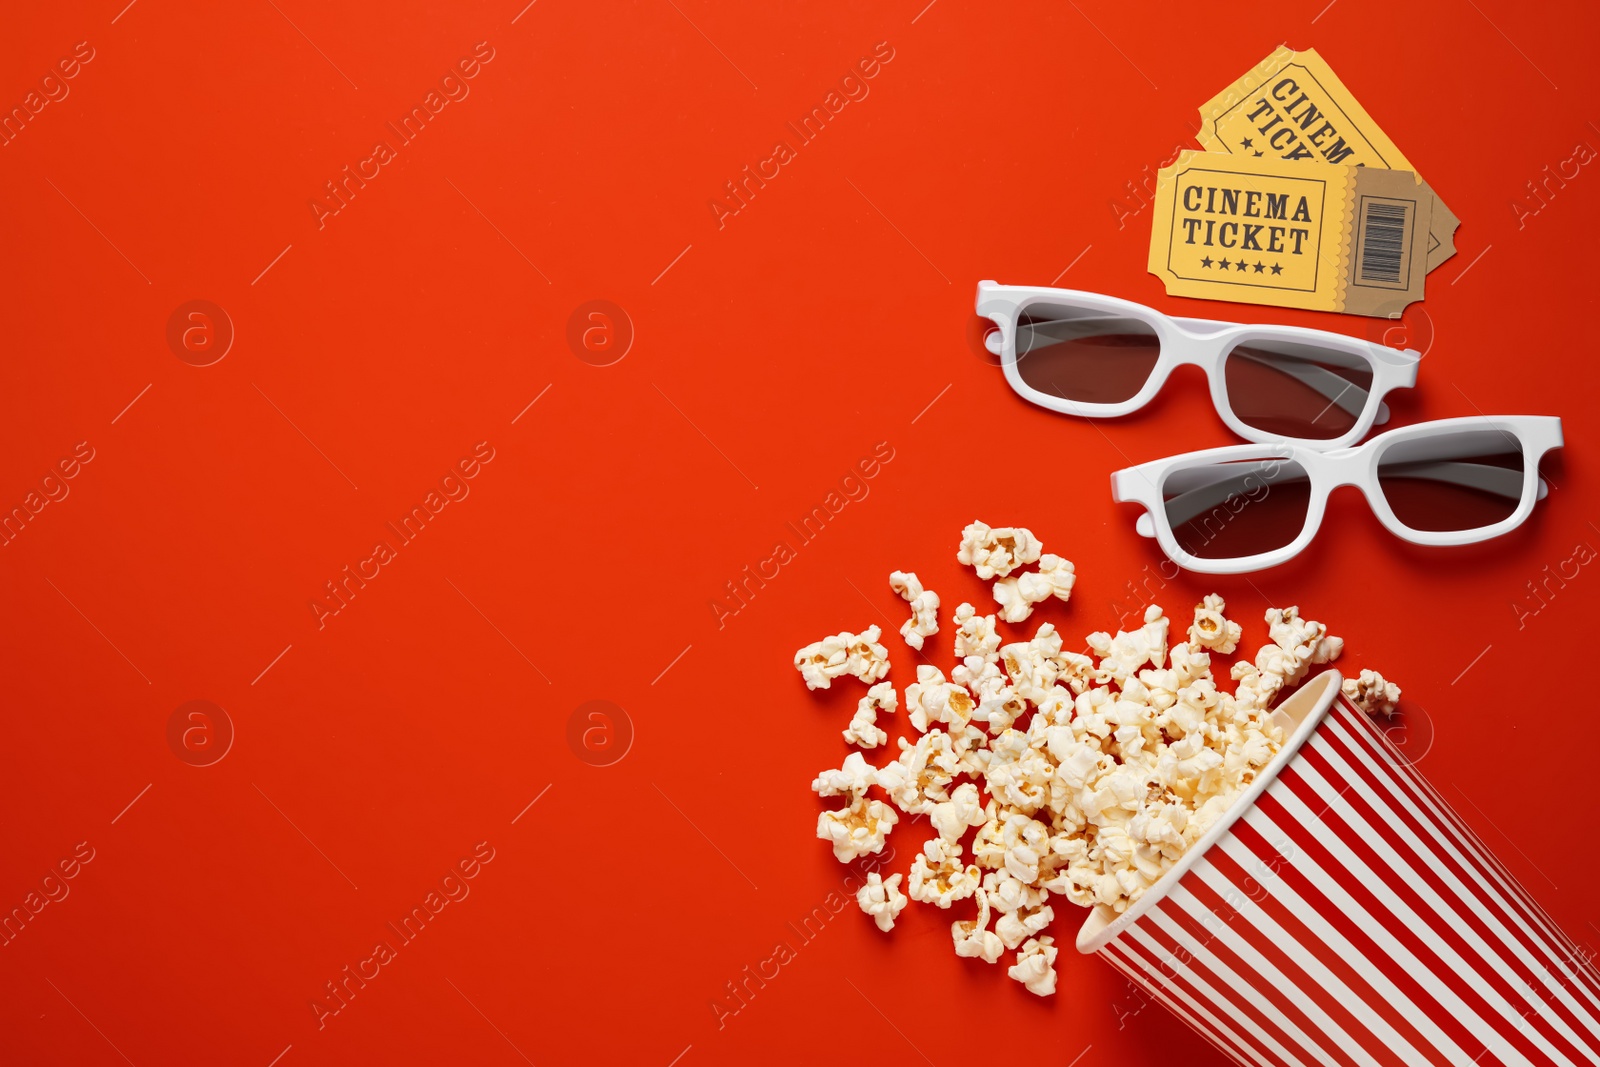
[
  {"x": 1292, "y": 106},
  {"x": 1293, "y": 233}
]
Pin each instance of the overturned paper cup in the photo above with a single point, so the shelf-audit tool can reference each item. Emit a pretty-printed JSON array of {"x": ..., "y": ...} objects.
[{"x": 1341, "y": 913}]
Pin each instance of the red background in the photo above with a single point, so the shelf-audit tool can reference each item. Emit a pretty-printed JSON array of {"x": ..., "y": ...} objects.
[{"x": 772, "y": 352}]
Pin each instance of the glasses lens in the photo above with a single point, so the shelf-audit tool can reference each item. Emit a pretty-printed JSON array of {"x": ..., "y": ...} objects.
[
  {"x": 1237, "y": 509},
  {"x": 1297, "y": 390},
  {"x": 1087, "y": 357},
  {"x": 1465, "y": 481}
]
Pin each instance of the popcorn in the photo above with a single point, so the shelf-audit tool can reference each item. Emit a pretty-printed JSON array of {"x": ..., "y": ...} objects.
[
  {"x": 1307, "y": 642},
  {"x": 1007, "y": 894},
  {"x": 860, "y": 655},
  {"x": 1296, "y": 645},
  {"x": 1017, "y": 596},
  {"x": 975, "y": 634},
  {"x": 952, "y": 817},
  {"x": 1127, "y": 652},
  {"x": 988, "y": 850},
  {"x": 1004, "y": 708},
  {"x": 854, "y": 778},
  {"x": 863, "y": 729},
  {"x": 972, "y": 939},
  {"x": 972, "y": 753},
  {"x": 997, "y": 552},
  {"x": 1255, "y": 689},
  {"x": 918, "y": 778},
  {"x": 931, "y": 699},
  {"x": 1033, "y": 664},
  {"x": 1018, "y": 926},
  {"x": 859, "y": 830},
  {"x": 1372, "y": 693},
  {"x": 1079, "y": 762},
  {"x": 1024, "y": 783},
  {"x": 1078, "y": 671},
  {"x": 937, "y": 876},
  {"x": 998, "y": 703},
  {"x": 906, "y": 583},
  {"x": 1211, "y": 630},
  {"x": 1060, "y": 573},
  {"x": 1161, "y": 828},
  {"x": 820, "y": 662},
  {"x": 924, "y": 621},
  {"x": 882, "y": 899},
  {"x": 1026, "y": 841},
  {"x": 867, "y": 660},
  {"x": 1035, "y": 966},
  {"x": 1080, "y": 776}
]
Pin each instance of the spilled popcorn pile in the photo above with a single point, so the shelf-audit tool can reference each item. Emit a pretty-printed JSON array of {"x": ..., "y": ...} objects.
[{"x": 1083, "y": 775}]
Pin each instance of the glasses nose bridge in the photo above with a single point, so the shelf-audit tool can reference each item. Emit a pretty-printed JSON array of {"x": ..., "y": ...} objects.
[
  {"x": 1332, "y": 475},
  {"x": 1186, "y": 348}
]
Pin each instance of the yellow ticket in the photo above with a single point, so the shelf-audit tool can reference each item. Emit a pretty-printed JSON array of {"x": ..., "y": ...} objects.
[
  {"x": 1292, "y": 106},
  {"x": 1294, "y": 234}
]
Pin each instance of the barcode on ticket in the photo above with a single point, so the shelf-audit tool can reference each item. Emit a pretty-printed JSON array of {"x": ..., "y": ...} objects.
[{"x": 1383, "y": 243}]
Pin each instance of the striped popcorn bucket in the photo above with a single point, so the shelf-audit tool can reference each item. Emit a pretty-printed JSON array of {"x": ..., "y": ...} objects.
[{"x": 1342, "y": 914}]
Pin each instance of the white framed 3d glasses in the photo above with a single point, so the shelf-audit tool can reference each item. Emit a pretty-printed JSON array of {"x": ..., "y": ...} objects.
[
  {"x": 1248, "y": 507},
  {"x": 1097, "y": 356}
]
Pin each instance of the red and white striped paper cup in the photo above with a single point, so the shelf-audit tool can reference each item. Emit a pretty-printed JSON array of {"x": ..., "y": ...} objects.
[{"x": 1342, "y": 914}]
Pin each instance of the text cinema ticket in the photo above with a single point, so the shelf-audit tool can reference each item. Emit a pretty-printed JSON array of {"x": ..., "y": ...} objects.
[
  {"x": 1292, "y": 106},
  {"x": 1295, "y": 234}
]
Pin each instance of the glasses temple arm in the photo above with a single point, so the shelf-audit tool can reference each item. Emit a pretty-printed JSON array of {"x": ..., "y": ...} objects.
[
  {"x": 1340, "y": 392},
  {"x": 1040, "y": 334},
  {"x": 1487, "y": 478},
  {"x": 1484, "y": 477},
  {"x": 1186, "y": 505},
  {"x": 1349, "y": 397}
]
